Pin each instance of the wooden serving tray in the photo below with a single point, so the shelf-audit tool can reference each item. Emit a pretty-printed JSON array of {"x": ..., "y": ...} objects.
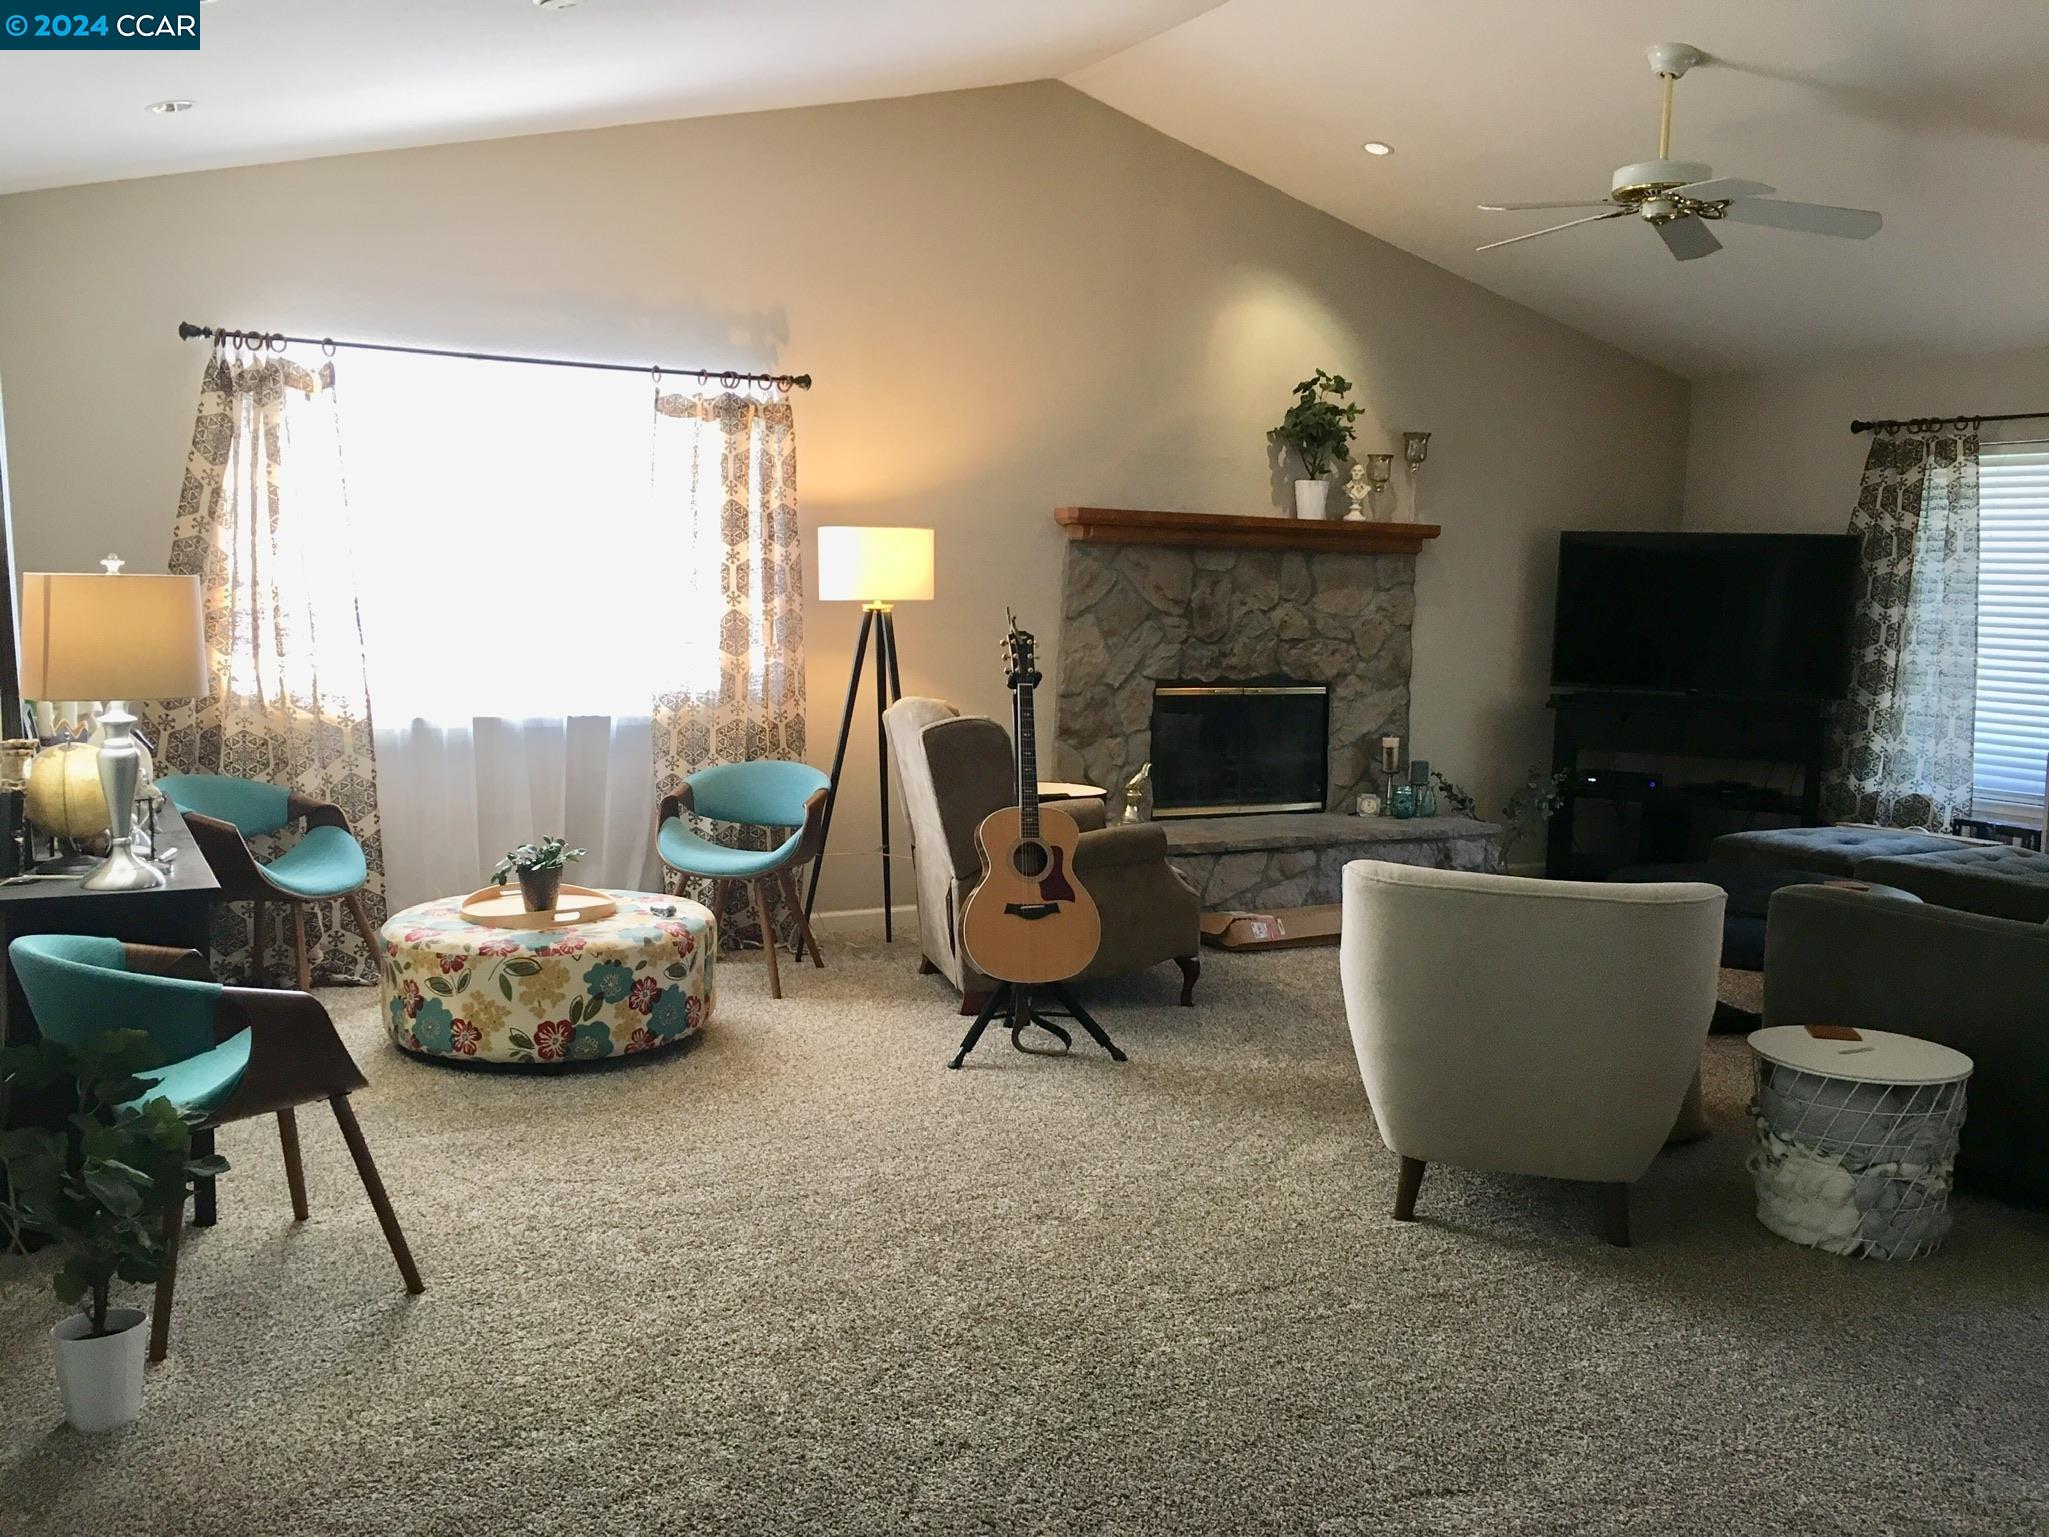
[{"x": 500, "y": 907}]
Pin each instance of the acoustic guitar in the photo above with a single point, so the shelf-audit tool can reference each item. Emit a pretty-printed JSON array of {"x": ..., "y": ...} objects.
[{"x": 1029, "y": 920}]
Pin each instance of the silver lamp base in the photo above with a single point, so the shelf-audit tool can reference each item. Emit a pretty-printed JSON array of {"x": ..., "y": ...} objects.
[
  {"x": 120, "y": 766},
  {"x": 122, "y": 871}
]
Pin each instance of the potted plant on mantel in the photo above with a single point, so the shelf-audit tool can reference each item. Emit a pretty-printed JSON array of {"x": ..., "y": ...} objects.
[
  {"x": 539, "y": 868},
  {"x": 99, "y": 1187},
  {"x": 1318, "y": 427}
]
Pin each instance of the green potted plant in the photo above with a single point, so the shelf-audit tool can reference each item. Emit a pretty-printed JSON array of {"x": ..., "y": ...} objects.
[
  {"x": 1532, "y": 806},
  {"x": 539, "y": 868},
  {"x": 1318, "y": 427},
  {"x": 98, "y": 1186}
]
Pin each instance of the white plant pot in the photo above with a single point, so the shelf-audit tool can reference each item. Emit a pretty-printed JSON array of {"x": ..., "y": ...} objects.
[
  {"x": 1312, "y": 498},
  {"x": 100, "y": 1380}
]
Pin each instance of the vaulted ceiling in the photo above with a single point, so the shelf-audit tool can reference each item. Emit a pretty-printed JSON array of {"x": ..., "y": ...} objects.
[
  {"x": 1931, "y": 113},
  {"x": 1934, "y": 114}
]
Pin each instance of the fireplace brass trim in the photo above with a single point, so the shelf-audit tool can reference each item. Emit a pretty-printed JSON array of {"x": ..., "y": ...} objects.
[
  {"x": 1169, "y": 813},
  {"x": 1196, "y": 691}
]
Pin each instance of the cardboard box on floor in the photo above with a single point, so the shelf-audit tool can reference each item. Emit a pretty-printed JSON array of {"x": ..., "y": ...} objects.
[{"x": 1285, "y": 929}]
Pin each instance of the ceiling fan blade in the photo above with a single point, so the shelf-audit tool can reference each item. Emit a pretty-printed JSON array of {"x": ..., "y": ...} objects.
[
  {"x": 1808, "y": 218},
  {"x": 1688, "y": 238},
  {"x": 1520, "y": 207},
  {"x": 1617, "y": 213},
  {"x": 1723, "y": 187}
]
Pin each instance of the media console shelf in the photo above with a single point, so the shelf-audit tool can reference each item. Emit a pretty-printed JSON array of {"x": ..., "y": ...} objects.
[{"x": 1677, "y": 726}]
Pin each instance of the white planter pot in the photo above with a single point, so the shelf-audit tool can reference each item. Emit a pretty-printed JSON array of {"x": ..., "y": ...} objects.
[
  {"x": 1312, "y": 498},
  {"x": 101, "y": 1380}
]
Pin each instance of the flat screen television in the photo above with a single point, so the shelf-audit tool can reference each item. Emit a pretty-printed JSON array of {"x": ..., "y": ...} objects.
[{"x": 1760, "y": 616}]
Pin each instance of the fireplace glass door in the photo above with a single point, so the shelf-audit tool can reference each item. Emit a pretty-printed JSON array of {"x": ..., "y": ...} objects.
[{"x": 1222, "y": 748}]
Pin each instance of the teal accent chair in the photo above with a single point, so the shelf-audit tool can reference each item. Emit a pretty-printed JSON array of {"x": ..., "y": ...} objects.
[
  {"x": 326, "y": 864},
  {"x": 230, "y": 1054},
  {"x": 784, "y": 798}
]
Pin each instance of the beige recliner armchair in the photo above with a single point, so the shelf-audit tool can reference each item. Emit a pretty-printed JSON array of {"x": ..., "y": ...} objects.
[
  {"x": 955, "y": 769},
  {"x": 1525, "y": 1026}
]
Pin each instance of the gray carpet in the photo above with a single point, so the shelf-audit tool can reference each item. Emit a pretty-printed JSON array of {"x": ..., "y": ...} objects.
[{"x": 801, "y": 1279}]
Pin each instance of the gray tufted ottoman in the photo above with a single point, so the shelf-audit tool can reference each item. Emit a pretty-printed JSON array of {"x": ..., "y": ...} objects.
[
  {"x": 1974, "y": 877},
  {"x": 1992, "y": 879},
  {"x": 1824, "y": 850}
]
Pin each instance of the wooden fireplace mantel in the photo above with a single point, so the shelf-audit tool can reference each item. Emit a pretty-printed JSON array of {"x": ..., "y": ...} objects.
[{"x": 1216, "y": 530}]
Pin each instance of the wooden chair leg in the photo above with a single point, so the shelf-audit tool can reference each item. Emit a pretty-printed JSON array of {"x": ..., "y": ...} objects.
[
  {"x": 926, "y": 968},
  {"x": 1615, "y": 1214},
  {"x": 167, "y": 1284},
  {"x": 1191, "y": 968},
  {"x": 299, "y": 946},
  {"x": 352, "y": 1133},
  {"x": 787, "y": 885},
  {"x": 1406, "y": 1187},
  {"x": 364, "y": 927},
  {"x": 259, "y": 964},
  {"x": 295, "y": 1172},
  {"x": 204, "y": 1198},
  {"x": 775, "y": 981}
]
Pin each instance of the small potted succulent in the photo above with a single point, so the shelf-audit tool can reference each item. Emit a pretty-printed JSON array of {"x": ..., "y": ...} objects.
[
  {"x": 539, "y": 868},
  {"x": 1318, "y": 427},
  {"x": 98, "y": 1186}
]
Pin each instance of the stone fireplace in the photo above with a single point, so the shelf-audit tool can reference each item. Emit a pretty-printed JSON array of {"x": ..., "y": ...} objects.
[
  {"x": 1156, "y": 605},
  {"x": 1134, "y": 617}
]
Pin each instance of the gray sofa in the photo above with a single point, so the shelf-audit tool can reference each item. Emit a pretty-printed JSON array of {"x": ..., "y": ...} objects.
[
  {"x": 1979, "y": 984},
  {"x": 1964, "y": 873},
  {"x": 955, "y": 769}
]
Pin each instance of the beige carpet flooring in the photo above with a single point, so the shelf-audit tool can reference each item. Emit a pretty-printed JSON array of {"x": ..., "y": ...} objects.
[{"x": 802, "y": 1280}]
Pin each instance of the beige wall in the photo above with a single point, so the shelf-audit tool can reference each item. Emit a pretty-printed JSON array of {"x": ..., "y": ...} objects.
[
  {"x": 1774, "y": 450},
  {"x": 1011, "y": 299}
]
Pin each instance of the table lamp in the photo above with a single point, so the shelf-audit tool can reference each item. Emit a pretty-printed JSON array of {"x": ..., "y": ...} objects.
[
  {"x": 877, "y": 568},
  {"x": 114, "y": 638}
]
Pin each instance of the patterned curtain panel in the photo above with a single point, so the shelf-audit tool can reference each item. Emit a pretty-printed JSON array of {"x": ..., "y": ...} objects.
[
  {"x": 725, "y": 473},
  {"x": 1900, "y": 753},
  {"x": 263, "y": 523}
]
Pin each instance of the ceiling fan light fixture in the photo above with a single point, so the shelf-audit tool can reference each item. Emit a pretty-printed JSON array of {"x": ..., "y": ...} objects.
[
  {"x": 558, "y": 5},
  {"x": 169, "y": 106}
]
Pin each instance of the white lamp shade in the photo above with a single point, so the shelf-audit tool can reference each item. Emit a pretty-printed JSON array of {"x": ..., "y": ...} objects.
[
  {"x": 93, "y": 636},
  {"x": 875, "y": 565}
]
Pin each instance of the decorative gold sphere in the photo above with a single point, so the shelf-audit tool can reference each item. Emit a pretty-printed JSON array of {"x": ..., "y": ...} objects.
[{"x": 64, "y": 797}]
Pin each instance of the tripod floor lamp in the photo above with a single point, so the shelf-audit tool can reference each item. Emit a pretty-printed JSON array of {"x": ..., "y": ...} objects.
[{"x": 877, "y": 568}]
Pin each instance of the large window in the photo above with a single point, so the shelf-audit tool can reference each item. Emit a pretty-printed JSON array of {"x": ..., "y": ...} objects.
[
  {"x": 2012, "y": 737},
  {"x": 516, "y": 558}
]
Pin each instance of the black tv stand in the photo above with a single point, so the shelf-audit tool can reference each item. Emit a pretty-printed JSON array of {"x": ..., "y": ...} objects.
[{"x": 1680, "y": 726}]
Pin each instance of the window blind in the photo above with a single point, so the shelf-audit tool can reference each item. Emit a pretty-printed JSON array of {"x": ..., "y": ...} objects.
[{"x": 2012, "y": 736}]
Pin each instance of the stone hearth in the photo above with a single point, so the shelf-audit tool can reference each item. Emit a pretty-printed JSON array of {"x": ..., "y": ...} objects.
[
  {"x": 1292, "y": 859},
  {"x": 1133, "y": 614}
]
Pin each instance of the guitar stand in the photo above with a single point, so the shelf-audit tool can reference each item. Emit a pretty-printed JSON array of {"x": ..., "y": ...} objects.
[{"x": 1017, "y": 999}]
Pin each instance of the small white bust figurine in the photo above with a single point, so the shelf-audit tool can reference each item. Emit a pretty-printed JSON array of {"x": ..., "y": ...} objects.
[{"x": 1357, "y": 490}]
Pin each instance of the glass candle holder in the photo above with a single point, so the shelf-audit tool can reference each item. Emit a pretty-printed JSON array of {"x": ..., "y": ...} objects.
[{"x": 1403, "y": 802}]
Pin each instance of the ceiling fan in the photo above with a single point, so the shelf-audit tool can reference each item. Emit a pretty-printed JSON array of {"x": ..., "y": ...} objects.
[{"x": 1678, "y": 198}]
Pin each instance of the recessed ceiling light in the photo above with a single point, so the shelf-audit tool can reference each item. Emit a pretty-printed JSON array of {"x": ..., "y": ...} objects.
[
  {"x": 166, "y": 108},
  {"x": 1375, "y": 147}
]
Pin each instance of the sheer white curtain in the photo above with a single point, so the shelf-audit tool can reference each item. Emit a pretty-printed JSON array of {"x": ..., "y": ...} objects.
[{"x": 520, "y": 614}]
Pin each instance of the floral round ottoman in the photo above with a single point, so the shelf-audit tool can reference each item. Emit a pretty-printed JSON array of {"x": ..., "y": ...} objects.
[{"x": 637, "y": 981}]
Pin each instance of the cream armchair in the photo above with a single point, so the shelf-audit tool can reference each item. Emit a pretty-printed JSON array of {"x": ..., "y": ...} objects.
[
  {"x": 1526, "y": 1026},
  {"x": 955, "y": 769}
]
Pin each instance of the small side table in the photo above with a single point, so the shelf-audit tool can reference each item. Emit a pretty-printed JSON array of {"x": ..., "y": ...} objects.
[{"x": 1855, "y": 1140}]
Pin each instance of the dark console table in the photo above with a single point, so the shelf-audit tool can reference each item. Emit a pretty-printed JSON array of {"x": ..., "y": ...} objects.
[{"x": 1678, "y": 727}]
